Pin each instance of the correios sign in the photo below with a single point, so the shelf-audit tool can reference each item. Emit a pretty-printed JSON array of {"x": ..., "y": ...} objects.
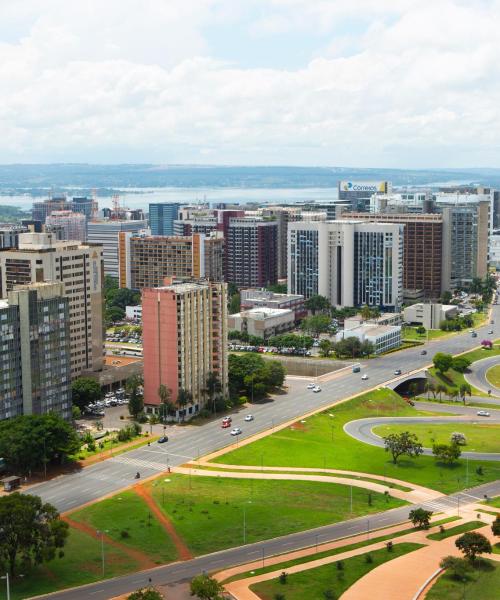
[{"x": 363, "y": 186}]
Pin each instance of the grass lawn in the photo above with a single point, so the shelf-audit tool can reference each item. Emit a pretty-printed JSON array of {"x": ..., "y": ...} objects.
[
  {"x": 482, "y": 584},
  {"x": 112, "y": 447},
  {"x": 312, "y": 584},
  {"x": 493, "y": 375},
  {"x": 126, "y": 514},
  {"x": 81, "y": 564},
  {"x": 493, "y": 502},
  {"x": 410, "y": 333},
  {"x": 458, "y": 529},
  {"x": 373, "y": 540},
  {"x": 482, "y": 437},
  {"x": 321, "y": 442},
  {"x": 209, "y": 513},
  {"x": 496, "y": 548},
  {"x": 468, "y": 402}
]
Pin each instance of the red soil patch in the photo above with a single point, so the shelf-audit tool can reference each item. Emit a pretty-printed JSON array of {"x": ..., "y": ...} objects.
[
  {"x": 298, "y": 427},
  {"x": 143, "y": 560},
  {"x": 182, "y": 550}
]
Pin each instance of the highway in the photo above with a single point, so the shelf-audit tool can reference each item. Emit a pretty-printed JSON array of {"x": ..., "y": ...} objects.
[
  {"x": 185, "y": 443},
  {"x": 477, "y": 376}
]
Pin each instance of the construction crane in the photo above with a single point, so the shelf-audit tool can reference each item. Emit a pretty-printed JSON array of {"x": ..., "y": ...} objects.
[{"x": 115, "y": 203}]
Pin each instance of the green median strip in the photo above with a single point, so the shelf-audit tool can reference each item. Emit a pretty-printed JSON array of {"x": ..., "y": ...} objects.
[{"x": 456, "y": 530}]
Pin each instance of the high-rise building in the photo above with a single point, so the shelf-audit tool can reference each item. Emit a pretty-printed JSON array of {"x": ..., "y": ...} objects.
[
  {"x": 145, "y": 261},
  {"x": 9, "y": 235},
  {"x": 35, "y": 351},
  {"x": 107, "y": 234},
  {"x": 203, "y": 225},
  {"x": 162, "y": 216},
  {"x": 422, "y": 248},
  {"x": 40, "y": 258},
  {"x": 359, "y": 193},
  {"x": 72, "y": 224},
  {"x": 351, "y": 263},
  {"x": 41, "y": 210},
  {"x": 85, "y": 206},
  {"x": 282, "y": 215},
  {"x": 251, "y": 252},
  {"x": 184, "y": 340}
]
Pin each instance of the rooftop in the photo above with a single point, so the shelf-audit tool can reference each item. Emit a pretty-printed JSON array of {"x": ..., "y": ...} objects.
[{"x": 262, "y": 312}]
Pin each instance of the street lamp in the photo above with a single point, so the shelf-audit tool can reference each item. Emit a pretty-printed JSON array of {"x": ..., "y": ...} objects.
[
  {"x": 7, "y": 584},
  {"x": 101, "y": 533}
]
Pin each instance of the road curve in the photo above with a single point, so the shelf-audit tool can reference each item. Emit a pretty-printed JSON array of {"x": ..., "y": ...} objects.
[
  {"x": 477, "y": 374},
  {"x": 361, "y": 429}
]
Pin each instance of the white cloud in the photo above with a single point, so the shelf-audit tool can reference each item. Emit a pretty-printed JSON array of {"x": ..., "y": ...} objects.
[{"x": 417, "y": 85}]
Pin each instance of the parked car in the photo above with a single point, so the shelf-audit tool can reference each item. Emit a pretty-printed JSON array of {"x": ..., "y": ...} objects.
[
  {"x": 236, "y": 431},
  {"x": 163, "y": 439},
  {"x": 483, "y": 413},
  {"x": 249, "y": 418}
]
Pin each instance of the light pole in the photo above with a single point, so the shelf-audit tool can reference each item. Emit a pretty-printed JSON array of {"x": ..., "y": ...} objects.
[
  {"x": 351, "y": 499},
  {"x": 7, "y": 584},
  {"x": 101, "y": 533}
]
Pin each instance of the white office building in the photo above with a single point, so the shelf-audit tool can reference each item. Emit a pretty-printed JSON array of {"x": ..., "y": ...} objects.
[{"x": 352, "y": 263}]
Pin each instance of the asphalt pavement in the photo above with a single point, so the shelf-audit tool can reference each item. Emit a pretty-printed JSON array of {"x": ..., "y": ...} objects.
[
  {"x": 477, "y": 375},
  {"x": 188, "y": 442}
]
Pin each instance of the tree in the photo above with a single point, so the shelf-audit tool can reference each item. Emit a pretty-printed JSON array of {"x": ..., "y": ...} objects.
[
  {"x": 473, "y": 543},
  {"x": 85, "y": 391},
  {"x": 365, "y": 312},
  {"x": 316, "y": 324},
  {"x": 457, "y": 567},
  {"x": 167, "y": 406},
  {"x": 275, "y": 373},
  {"x": 413, "y": 390},
  {"x": 446, "y": 297},
  {"x": 136, "y": 401},
  {"x": 205, "y": 587},
  {"x": 277, "y": 288},
  {"x": 213, "y": 388},
  {"x": 184, "y": 397},
  {"x": 145, "y": 594},
  {"x": 476, "y": 285},
  {"x": 431, "y": 387},
  {"x": 31, "y": 530},
  {"x": 350, "y": 346},
  {"x": 114, "y": 314},
  {"x": 458, "y": 438},
  {"x": 420, "y": 517},
  {"x": 234, "y": 304},
  {"x": 402, "y": 443},
  {"x": 325, "y": 348},
  {"x": 420, "y": 330},
  {"x": 317, "y": 303},
  {"x": 460, "y": 364},
  {"x": 447, "y": 453},
  {"x": 442, "y": 362},
  {"x": 31, "y": 442},
  {"x": 367, "y": 348},
  {"x": 440, "y": 388},
  {"x": 495, "y": 526},
  {"x": 487, "y": 344},
  {"x": 464, "y": 390}
]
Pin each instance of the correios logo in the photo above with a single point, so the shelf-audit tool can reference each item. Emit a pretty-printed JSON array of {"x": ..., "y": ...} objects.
[{"x": 363, "y": 186}]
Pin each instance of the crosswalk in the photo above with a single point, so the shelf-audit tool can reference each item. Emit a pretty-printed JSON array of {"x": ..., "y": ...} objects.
[
  {"x": 138, "y": 462},
  {"x": 450, "y": 502}
]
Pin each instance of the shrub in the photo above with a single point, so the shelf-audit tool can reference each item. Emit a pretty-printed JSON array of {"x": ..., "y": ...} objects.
[
  {"x": 283, "y": 577},
  {"x": 458, "y": 438},
  {"x": 368, "y": 558},
  {"x": 124, "y": 534}
]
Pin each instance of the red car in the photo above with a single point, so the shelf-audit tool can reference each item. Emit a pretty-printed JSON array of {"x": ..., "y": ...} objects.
[{"x": 226, "y": 422}]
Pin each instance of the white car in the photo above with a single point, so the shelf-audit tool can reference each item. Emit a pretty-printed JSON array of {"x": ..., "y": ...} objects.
[
  {"x": 364, "y": 377},
  {"x": 236, "y": 431},
  {"x": 249, "y": 418},
  {"x": 316, "y": 388},
  {"x": 311, "y": 386},
  {"x": 483, "y": 413}
]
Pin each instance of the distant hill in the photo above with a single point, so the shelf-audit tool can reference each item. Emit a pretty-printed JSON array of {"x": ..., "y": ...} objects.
[{"x": 38, "y": 179}]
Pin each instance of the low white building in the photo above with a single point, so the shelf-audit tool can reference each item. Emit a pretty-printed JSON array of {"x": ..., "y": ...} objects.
[
  {"x": 383, "y": 337},
  {"x": 429, "y": 315},
  {"x": 133, "y": 313},
  {"x": 495, "y": 250},
  {"x": 262, "y": 322}
]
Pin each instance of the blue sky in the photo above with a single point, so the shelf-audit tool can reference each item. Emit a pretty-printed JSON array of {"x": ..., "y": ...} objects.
[{"x": 412, "y": 83}]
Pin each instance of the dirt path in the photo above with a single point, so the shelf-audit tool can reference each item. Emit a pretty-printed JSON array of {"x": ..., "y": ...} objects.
[
  {"x": 181, "y": 547},
  {"x": 143, "y": 560}
]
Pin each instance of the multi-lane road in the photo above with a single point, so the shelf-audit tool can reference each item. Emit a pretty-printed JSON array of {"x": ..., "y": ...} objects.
[{"x": 188, "y": 442}]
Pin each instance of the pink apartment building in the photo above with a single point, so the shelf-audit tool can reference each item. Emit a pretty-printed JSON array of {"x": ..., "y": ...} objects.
[{"x": 184, "y": 339}]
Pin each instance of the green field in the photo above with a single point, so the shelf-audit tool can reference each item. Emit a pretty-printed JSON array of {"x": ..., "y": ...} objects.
[
  {"x": 493, "y": 375},
  {"x": 410, "y": 333},
  {"x": 209, "y": 512},
  {"x": 482, "y": 584},
  {"x": 82, "y": 563},
  {"x": 457, "y": 530},
  {"x": 321, "y": 442},
  {"x": 127, "y": 519},
  {"x": 312, "y": 584},
  {"x": 482, "y": 437}
]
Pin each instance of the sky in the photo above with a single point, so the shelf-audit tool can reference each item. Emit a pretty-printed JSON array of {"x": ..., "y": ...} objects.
[{"x": 360, "y": 83}]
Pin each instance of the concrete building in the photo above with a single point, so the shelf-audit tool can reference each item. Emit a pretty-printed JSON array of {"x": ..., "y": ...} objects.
[
  {"x": 494, "y": 251},
  {"x": 107, "y": 234},
  {"x": 383, "y": 337},
  {"x": 133, "y": 313},
  {"x": 41, "y": 210},
  {"x": 85, "y": 206},
  {"x": 162, "y": 216},
  {"x": 184, "y": 339},
  {"x": 422, "y": 248},
  {"x": 262, "y": 322},
  {"x": 35, "y": 350},
  {"x": 251, "y": 252},
  {"x": 205, "y": 225},
  {"x": 145, "y": 261},
  {"x": 257, "y": 298},
  {"x": 40, "y": 258},
  {"x": 9, "y": 235},
  {"x": 72, "y": 224},
  {"x": 358, "y": 193},
  {"x": 352, "y": 263},
  {"x": 429, "y": 315}
]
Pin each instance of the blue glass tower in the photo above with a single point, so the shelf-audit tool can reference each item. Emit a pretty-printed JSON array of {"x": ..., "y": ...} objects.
[{"x": 162, "y": 217}]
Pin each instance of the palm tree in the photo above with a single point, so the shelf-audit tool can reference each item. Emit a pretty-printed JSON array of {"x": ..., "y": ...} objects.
[
  {"x": 213, "y": 388},
  {"x": 365, "y": 312},
  {"x": 184, "y": 397},
  {"x": 465, "y": 390},
  {"x": 452, "y": 394},
  {"x": 440, "y": 388},
  {"x": 431, "y": 387},
  {"x": 165, "y": 394},
  {"x": 412, "y": 390}
]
